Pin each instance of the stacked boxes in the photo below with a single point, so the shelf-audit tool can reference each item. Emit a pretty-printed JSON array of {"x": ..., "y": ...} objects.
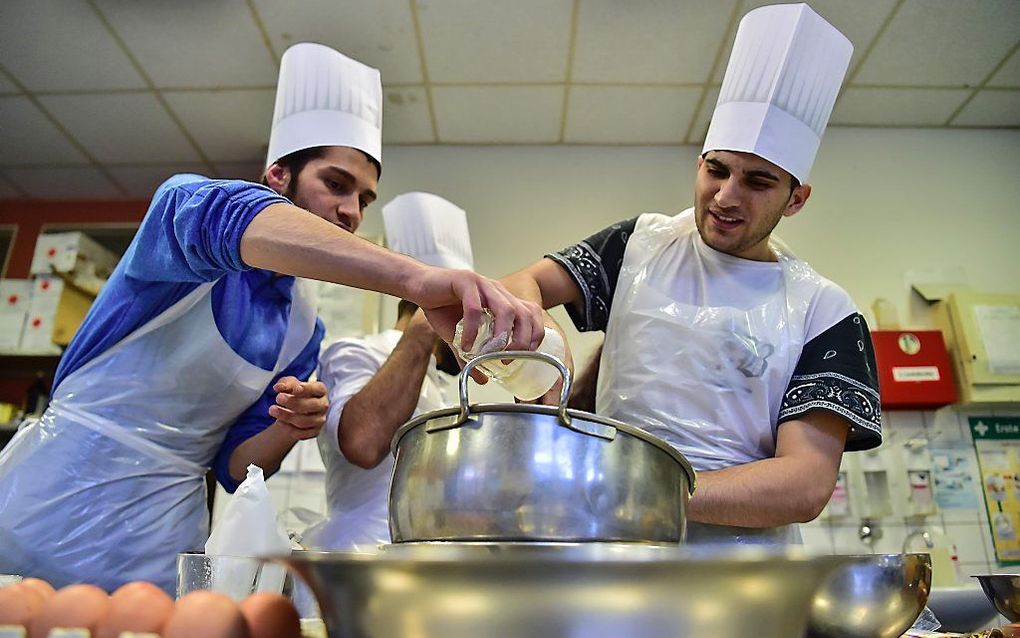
[
  {"x": 55, "y": 311},
  {"x": 40, "y": 314},
  {"x": 75, "y": 255},
  {"x": 14, "y": 302}
]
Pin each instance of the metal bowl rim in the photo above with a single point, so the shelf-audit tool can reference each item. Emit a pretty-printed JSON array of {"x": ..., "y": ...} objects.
[
  {"x": 551, "y": 410},
  {"x": 720, "y": 555}
]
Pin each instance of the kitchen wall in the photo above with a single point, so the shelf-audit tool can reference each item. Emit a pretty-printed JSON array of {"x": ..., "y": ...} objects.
[
  {"x": 888, "y": 206},
  {"x": 967, "y": 529}
]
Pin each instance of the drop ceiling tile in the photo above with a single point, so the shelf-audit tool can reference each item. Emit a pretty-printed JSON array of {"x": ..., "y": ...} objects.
[
  {"x": 858, "y": 21},
  {"x": 942, "y": 43},
  {"x": 379, "y": 33},
  {"x": 406, "y": 116},
  {"x": 700, "y": 127},
  {"x": 520, "y": 41},
  {"x": 661, "y": 41},
  {"x": 194, "y": 44},
  {"x": 28, "y": 137},
  {"x": 248, "y": 171},
  {"x": 1008, "y": 75},
  {"x": 124, "y": 128},
  {"x": 498, "y": 115},
  {"x": 8, "y": 191},
  {"x": 630, "y": 115},
  {"x": 55, "y": 46},
  {"x": 228, "y": 125},
  {"x": 141, "y": 181},
  {"x": 85, "y": 182},
  {"x": 991, "y": 108},
  {"x": 7, "y": 88},
  {"x": 896, "y": 107}
]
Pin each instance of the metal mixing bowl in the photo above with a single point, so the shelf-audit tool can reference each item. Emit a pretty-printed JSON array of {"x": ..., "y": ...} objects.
[
  {"x": 876, "y": 596},
  {"x": 465, "y": 590},
  {"x": 1004, "y": 592}
]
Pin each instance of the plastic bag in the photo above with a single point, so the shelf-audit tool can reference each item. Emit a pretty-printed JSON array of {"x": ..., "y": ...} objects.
[
  {"x": 925, "y": 625},
  {"x": 249, "y": 527}
]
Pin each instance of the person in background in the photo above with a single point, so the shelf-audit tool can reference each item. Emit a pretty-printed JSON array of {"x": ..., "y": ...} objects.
[
  {"x": 379, "y": 382},
  {"x": 718, "y": 339},
  {"x": 194, "y": 354}
]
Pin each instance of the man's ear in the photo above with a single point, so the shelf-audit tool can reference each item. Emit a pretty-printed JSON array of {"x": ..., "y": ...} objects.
[
  {"x": 278, "y": 177},
  {"x": 798, "y": 198}
]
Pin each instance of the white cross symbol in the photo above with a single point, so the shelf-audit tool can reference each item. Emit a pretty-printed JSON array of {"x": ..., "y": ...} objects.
[{"x": 981, "y": 428}]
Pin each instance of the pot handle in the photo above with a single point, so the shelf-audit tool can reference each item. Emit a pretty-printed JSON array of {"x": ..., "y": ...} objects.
[
  {"x": 465, "y": 374},
  {"x": 584, "y": 427}
]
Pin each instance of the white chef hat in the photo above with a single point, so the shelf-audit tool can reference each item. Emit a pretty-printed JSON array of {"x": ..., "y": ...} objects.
[
  {"x": 324, "y": 98},
  {"x": 780, "y": 85},
  {"x": 430, "y": 229}
]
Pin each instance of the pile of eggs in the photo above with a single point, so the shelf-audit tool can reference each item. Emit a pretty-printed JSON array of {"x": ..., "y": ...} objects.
[{"x": 32, "y": 608}]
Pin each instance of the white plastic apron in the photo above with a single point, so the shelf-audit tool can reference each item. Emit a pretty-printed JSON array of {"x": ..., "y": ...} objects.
[
  {"x": 358, "y": 499},
  {"x": 709, "y": 380},
  {"x": 109, "y": 485}
]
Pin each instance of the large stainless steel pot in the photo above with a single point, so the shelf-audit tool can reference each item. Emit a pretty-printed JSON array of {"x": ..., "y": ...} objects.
[
  {"x": 515, "y": 472},
  {"x": 589, "y": 590}
]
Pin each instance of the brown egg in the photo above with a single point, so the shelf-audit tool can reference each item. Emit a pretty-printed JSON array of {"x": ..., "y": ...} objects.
[
  {"x": 75, "y": 606},
  {"x": 207, "y": 614},
  {"x": 41, "y": 586},
  {"x": 138, "y": 607},
  {"x": 271, "y": 615},
  {"x": 19, "y": 604}
]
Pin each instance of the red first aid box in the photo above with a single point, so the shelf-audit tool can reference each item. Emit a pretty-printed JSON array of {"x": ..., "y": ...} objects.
[{"x": 914, "y": 371}]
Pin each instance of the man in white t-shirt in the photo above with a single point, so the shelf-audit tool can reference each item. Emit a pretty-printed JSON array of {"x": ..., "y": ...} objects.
[
  {"x": 379, "y": 382},
  {"x": 718, "y": 339}
]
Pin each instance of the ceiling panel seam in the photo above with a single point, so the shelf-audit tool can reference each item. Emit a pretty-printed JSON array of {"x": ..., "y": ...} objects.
[
  {"x": 157, "y": 92},
  {"x": 706, "y": 87},
  {"x": 874, "y": 42},
  {"x": 984, "y": 81},
  {"x": 849, "y": 83},
  {"x": 261, "y": 25},
  {"x": 419, "y": 41},
  {"x": 911, "y": 87},
  {"x": 569, "y": 75},
  {"x": 14, "y": 185},
  {"x": 63, "y": 130}
]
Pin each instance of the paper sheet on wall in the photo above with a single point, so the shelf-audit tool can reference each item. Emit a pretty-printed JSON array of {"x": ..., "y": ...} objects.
[
  {"x": 1000, "y": 331},
  {"x": 953, "y": 471},
  {"x": 997, "y": 443}
]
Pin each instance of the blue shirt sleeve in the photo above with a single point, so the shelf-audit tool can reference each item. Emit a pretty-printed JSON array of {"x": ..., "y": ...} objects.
[
  {"x": 190, "y": 234},
  {"x": 192, "y": 230},
  {"x": 256, "y": 418}
]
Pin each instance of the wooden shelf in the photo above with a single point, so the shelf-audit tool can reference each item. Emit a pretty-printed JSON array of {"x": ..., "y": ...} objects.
[{"x": 22, "y": 364}]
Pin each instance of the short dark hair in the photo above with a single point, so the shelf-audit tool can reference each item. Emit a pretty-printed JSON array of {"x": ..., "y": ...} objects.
[
  {"x": 295, "y": 162},
  {"x": 406, "y": 307},
  {"x": 794, "y": 182}
]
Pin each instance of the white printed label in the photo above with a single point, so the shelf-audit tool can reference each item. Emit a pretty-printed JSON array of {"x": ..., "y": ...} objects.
[{"x": 916, "y": 373}]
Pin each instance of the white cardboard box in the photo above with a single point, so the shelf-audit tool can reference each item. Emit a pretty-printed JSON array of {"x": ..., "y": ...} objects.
[
  {"x": 37, "y": 334},
  {"x": 46, "y": 291},
  {"x": 73, "y": 252},
  {"x": 15, "y": 298},
  {"x": 11, "y": 325},
  {"x": 54, "y": 313},
  {"x": 15, "y": 295}
]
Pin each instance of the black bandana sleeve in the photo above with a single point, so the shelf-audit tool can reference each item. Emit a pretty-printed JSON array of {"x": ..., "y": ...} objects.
[
  {"x": 836, "y": 372},
  {"x": 595, "y": 264}
]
